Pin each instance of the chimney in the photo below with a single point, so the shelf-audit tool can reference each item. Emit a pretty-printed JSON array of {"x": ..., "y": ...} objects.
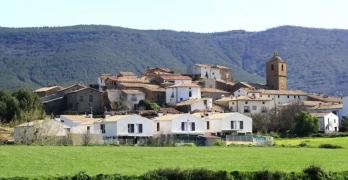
[{"x": 159, "y": 113}]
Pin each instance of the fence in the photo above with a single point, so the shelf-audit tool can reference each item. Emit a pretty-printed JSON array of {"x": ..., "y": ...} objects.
[{"x": 255, "y": 140}]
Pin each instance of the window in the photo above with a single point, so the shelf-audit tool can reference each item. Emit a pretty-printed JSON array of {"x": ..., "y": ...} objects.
[
  {"x": 180, "y": 99},
  {"x": 241, "y": 124},
  {"x": 263, "y": 102},
  {"x": 278, "y": 96},
  {"x": 81, "y": 98},
  {"x": 140, "y": 128},
  {"x": 288, "y": 96},
  {"x": 88, "y": 129},
  {"x": 232, "y": 102},
  {"x": 172, "y": 95},
  {"x": 254, "y": 108},
  {"x": 102, "y": 128},
  {"x": 130, "y": 128},
  {"x": 282, "y": 67},
  {"x": 334, "y": 120},
  {"x": 272, "y": 67},
  {"x": 299, "y": 97},
  {"x": 193, "y": 126},
  {"x": 62, "y": 121},
  {"x": 158, "y": 96},
  {"x": 190, "y": 94},
  {"x": 246, "y": 102},
  {"x": 246, "y": 109},
  {"x": 263, "y": 109},
  {"x": 182, "y": 126},
  {"x": 213, "y": 73},
  {"x": 233, "y": 125},
  {"x": 90, "y": 98},
  {"x": 269, "y": 96},
  {"x": 253, "y": 94},
  {"x": 208, "y": 125},
  {"x": 158, "y": 126}
]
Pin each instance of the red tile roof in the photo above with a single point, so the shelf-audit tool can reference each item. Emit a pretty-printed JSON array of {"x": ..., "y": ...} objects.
[{"x": 176, "y": 78}]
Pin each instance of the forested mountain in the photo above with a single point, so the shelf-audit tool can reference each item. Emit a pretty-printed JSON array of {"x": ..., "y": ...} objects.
[{"x": 34, "y": 57}]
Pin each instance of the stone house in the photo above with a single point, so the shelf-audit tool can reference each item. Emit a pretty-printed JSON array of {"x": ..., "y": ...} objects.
[
  {"x": 207, "y": 71},
  {"x": 131, "y": 98},
  {"x": 214, "y": 93},
  {"x": 47, "y": 91},
  {"x": 83, "y": 100}
]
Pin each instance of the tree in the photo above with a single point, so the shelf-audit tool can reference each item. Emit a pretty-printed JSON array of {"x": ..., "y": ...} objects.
[
  {"x": 9, "y": 106},
  {"x": 27, "y": 100},
  {"x": 260, "y": 122},
  {"x": 306, "y": 124},
  {"x": 344, "y": 125},
  {"x": 86, "y": 138},
  {"x": 147, "y": 105},
  {"x": 117, "y": 105},
  {"x": 287, "y": 114}
]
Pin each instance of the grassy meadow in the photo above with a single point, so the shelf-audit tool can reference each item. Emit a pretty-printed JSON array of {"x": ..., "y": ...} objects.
[
  {"x": 314, "y": 142},
  {"x": 36, "y": 161}
]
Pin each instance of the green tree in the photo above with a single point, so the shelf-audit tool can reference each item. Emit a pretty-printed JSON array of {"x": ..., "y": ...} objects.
[
  {"x": 344, "y": 125},
  {"x": 27, "y": 100},
  {"x": 9, "y": 106},
  {"x": 117, "y": 104},
  {"x": 147, "y": 105},
  {"x": 306, "y": 124}
]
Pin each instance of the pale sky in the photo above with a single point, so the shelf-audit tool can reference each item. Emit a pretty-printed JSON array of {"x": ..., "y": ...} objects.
[{"x": 179, "y": 15}]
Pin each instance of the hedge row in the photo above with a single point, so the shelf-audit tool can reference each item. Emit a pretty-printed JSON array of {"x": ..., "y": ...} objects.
[{"x": 310, "y": 173}]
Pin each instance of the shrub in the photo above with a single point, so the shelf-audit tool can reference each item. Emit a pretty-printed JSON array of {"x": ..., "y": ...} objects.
[
  {"x": 219, "y": 142},
  {"x": 315, "y": 172},
  {"x": 302, "y": 144},
  {"x": 329, "y": 146}
]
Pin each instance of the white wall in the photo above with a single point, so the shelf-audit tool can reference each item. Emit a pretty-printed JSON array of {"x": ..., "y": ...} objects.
[
  {"x": 200, "y": 105},
  {"x": 81, "y": 129},
  {"x": 132, "y": 103},
  {"x": 101, "y": 83},
  {"x": 165, "y": 127},
  {"x": 120, "y": 127},
  {"x": 329, "y": 122},
  {"x": 176, "y": 125},
  {"x": 48, "y": 128},
  {"x": 69, "y": 122},
  {"x": 217, "y": 125},
  {"x": 344, "y": 111},
  {"x": 182, "y": 92},
  {"x": 243, "y": 92},
  {"x": 213, "y": 73},
  {"x": 283, "y": 99},
  {"x": 251, "y": 103},
  {"x": 114, "y": 95}
]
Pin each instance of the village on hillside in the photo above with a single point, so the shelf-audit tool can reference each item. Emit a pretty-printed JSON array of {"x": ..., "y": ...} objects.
[{"x": 204, "y": 104}]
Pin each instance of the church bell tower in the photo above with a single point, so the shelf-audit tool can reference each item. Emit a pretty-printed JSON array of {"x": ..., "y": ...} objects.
[{"x": 276, "y": 73}]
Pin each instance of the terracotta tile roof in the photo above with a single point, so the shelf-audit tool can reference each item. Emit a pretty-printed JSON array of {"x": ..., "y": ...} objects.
[
  {"x": 127, "y": 74},
  {"x": 104, "y": 76},
  {"x": 168, "y": 117},
  {"x": 113, "y": 118},
  {"x": 244, "y": 98},
  {"x": 47, "y": 88},
  {"x": 179, "y": 77},
  {"x": 188, "y": 102},
  {"x": 154, "y": 88},
  {"x": 72, "y": 86},
  {"x": 77, "y": 117},
  {"x": 169, "y": 110},
  {"x": 212, "y": 90},
  {"x": 319, "y": 114},
  {"x": 92, "y": 89},
  {"x": 52, "y": 100},
  {"x": 135, "y": 85},
  {"x": 184, "y": 85},
  {"x": 212, "y": 66},
  {"x": 224, "y": 82},
  {"x": 283, "y": 92},
  {"x": 132, "y": 92},
  {"x": 111, "y": 78},
  {"x": 325, "y": 98},
  {"x": 131, "y": 80},
  {"x": 327, "y": 106},
  {"x": 253, "y": 85}
]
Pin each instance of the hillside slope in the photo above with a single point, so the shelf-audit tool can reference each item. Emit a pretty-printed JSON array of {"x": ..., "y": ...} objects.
[{"x": 33, "y": 57}]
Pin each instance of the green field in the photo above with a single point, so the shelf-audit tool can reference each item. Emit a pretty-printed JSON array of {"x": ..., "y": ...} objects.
[
  {"x": 315, "y": 142},
  {"x": 35, "y": 161}
]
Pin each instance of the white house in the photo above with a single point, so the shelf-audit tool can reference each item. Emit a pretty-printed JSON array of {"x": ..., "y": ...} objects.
[
  {"x": 39, "y": 129},
  {"x": 74, "y": 120},
  {"x": 252, "y": 104},
  {"x": 123, "y": 128},
  {"x": 195, "y": 104},
  {"x": 114, "y": 95},
  {"x": 182, "y": 92},
  {"x": 336, "y": 109},
  {"x": 227, "y": 123},
  {"x": 205, "y": 71},
  {"x": 280, "y": 97},
  {"x": 178, "y": 124},
  {"x": 132, "y": 98},
  {"x": 247, "y": 92},
  {"x": 85, "y": 127},
  {"x": 175, "y": 79},
  {"x": 328, "y": 122}
]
